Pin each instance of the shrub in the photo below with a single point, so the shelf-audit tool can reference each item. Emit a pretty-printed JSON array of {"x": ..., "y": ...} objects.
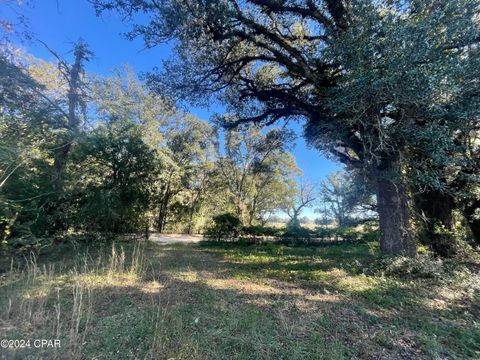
[
  {"x": 370, "y": 235},
  {"x": 252, "y": 233},
  {"x": 325, "y": 233},
  {"x": 225, "y": 226},
  {"x": 258, "y": 230},
  {"x": 422, "y": 266},
  {"x": 28, "y": 244},
  {"x": 348, "y": 233},
  {"x": 297, "y": 235}
]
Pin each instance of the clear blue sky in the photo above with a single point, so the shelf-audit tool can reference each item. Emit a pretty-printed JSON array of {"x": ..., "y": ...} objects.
[{"x": 59, "y": 23}]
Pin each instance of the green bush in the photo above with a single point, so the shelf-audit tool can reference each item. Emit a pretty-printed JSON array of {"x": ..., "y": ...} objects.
[
  {"x": 422, "y": 266},
  {"x": 225, "y": 226},
  {"x": 296, "y": 236},
  {"x": 325, "y": 233},
  {"x": 27, "y": 244},
  {"x": 258, "y": 230},
  {"x": 348, "y": 234},
  {"x": 297, "y": 232},
  {"x": 370, "y": 235}
]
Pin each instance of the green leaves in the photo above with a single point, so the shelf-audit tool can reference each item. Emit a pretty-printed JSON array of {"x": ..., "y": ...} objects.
[{"x": 119, "y": 171}]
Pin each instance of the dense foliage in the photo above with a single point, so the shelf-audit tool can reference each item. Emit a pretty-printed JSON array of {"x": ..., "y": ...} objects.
[
  {"x": 387, "y": 87},
  {"x": 228, "y": 227},
  {"x": 83, "y": 153}
]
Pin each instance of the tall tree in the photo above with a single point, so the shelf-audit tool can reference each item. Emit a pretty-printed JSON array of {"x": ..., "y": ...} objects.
[
  {"x": 304, "y": 194},
  {"x": 371, "y": 78},
  {"x": 334, "y": 192},
  {"x": 122, "y": 95},
  {"x": 257, "y": 170},
  {"x": 69, "y": 103},
  {"x": 75, "y": 103},
  {"x": 27, "y": 140},
  {"x": 348, "y": 197},
  {"x": 118, "y": 171},
  {"x": 187, "y": 147}
]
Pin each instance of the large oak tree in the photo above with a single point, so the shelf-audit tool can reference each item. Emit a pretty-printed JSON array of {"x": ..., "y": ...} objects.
[{"x": 375, "y": 81}]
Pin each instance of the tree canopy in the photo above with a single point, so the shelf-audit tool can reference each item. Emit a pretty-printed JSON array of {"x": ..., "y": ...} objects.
[{"x": 374, "y": 81}]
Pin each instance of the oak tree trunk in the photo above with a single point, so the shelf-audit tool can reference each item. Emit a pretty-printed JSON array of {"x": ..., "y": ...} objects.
[{"x": 394, "y": 217}]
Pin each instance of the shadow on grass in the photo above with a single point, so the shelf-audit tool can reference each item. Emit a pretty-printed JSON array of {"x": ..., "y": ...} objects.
[
  {"x": 262, "y": 302},
  {"x": 444, "y": 322}
]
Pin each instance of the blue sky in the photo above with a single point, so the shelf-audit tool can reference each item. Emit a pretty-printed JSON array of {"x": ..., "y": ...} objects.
[{"x": 59, "y": 23}]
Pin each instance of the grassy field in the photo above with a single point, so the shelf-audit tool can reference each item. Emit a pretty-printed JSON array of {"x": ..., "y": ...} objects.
[{"x": 227, "y": 301}]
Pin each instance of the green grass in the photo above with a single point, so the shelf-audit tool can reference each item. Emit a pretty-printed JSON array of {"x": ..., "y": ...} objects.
[{"x": 230, "y": 301}]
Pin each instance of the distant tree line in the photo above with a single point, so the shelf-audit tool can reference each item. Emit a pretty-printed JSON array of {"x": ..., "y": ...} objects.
[{"x": 83, "y": 153}]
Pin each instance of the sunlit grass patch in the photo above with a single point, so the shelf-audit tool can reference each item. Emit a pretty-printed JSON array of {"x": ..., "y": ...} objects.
[
  {"x": 252, "y": 258},
  {"x": 375, "y": 285},
  {"x": 230, "y": 301},
  {"x": 358, "y": 283},
  {"x": 188, "y": 276},
  {"x": 317, "y": 266},
  {"x": 245, "y": 286}
]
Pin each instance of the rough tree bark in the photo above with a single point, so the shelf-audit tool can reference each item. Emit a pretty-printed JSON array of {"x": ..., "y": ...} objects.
[
  {"x": 394, "y": 215},
  {"x": 73, "y": 76}
]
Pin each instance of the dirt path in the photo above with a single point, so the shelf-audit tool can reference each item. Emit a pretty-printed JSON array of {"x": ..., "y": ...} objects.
[{"x": 166, "y": 239}]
